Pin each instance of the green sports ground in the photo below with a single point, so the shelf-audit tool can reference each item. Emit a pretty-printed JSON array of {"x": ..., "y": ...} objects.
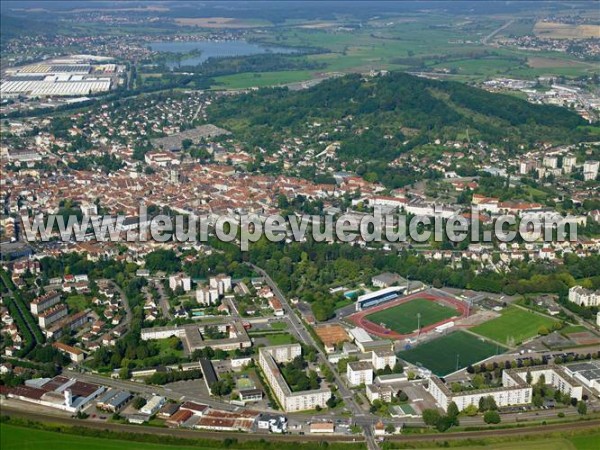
[
  {"x": 403, "y": 318},
  {"x": 451, "y": 352}
]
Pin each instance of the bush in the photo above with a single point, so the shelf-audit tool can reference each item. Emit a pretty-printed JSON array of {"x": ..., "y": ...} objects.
[
  {"x": 491, "y": 417},
  {"x": 470, "y": 410}
]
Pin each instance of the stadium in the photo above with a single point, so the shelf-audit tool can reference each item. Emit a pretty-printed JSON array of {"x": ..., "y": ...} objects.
[{"x": 401, "y": 317}]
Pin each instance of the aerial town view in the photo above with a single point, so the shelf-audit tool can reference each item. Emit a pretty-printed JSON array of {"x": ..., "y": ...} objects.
[{"x": 241, "y": 225}]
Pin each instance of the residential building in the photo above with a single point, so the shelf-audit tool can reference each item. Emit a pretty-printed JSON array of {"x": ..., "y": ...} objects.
[
  {"x": 590, "y": 170},
  {"x": 584, "y": 297},
  {"x": 207, "y": 296},
  {"x": 359, "y": 372},
  {"x": 74, "y": 353},
  {"x": 221, "y": 282},
  {"x": 518, "y": 394},
  {"x": 382, "y": 358},
  {"x": 51, "y": 315},
  {"x": 42, "y": 303},
  {"x": 269, "y": 358}
]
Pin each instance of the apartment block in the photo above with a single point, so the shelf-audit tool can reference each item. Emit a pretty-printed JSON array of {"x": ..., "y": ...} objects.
[
  {"x": 269, "y": 358},
  {"x": 359, "y": 372}
]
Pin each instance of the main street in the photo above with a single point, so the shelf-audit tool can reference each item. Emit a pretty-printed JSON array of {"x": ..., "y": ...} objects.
[{"x": 359, "y": 416}]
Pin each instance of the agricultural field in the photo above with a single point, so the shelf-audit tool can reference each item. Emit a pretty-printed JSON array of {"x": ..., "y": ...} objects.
[
  {"x": 514, "y": 325},
  {"x": 403, "y": 318},
  {"x": 449, "y": 353},
  {"x": 245, "y": 80},
  {"x": 555, "y": 30}
]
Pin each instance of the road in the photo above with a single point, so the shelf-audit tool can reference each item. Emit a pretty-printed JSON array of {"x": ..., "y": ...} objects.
[
  {"x": 485, "y": 40},
  {"x": 178, "y": 432},
  {"x": 163, "y": 300},
  {"x": 12, "y": 294},
  {"x": 592, "y": 424},
  {"x": 125, "y": 300},
  {"x": 359, "y": 416}
]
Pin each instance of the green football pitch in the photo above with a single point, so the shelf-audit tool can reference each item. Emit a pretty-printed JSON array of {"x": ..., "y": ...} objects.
[
  {"x": 448, "y": 353},
  {"x": 403, "y": 318},
  {"x": 514, "y": 325}
]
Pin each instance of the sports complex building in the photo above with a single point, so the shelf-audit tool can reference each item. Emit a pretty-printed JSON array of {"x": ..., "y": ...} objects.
[{"x": 379, "y": 297}]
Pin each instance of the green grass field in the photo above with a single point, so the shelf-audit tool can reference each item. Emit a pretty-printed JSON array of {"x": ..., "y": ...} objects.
[
  {"x": 17, "y": 438},
  {"x": 441, "y": 355},
  {"x": 513, "y": 324},
  {"x": 77, "y": 302},
  {"x": 280, "y": 339},
  {"x": 403, "y": 318},
  {"x": 579, "y": 442}
]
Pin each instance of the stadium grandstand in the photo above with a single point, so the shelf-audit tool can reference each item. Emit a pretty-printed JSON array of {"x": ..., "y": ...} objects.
[{"x": 379, "y": 297}]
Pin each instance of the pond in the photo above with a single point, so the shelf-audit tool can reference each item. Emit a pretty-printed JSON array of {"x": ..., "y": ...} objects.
[{"x": 210, "y": 49}]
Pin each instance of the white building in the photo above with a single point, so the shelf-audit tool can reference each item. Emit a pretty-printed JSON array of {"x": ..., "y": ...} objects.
[
  {"x": 554, "y": 376},
  {"x": 221, "y": 282},
  {"x": 153, "y": 405},
  {"x": 514, "y": 390},
  {"x": 382, "y": 358},
  {"x": 383, "y": 393},
  {"x": 550, "y": 161},
  {"x": 180, "y": 280},
  {"x": 52, "y": 315},
  {"x": 516, "y": 395},
  {"x": 359, "y": 372},
  {"x": 207, "y": 296},
  {"x": 290, "y": 401},
  {"x": 586, "y": 372},
  {"x": 42, "y": 303},
  {"x": 584, "y": 297},
  {"x": 568, "y": 163},
  {"x": 590, "y": 170}
]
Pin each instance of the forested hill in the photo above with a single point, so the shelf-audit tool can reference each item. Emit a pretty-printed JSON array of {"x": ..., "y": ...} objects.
[{"x": 377, "y": 116}]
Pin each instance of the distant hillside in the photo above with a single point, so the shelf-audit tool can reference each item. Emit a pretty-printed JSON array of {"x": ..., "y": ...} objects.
[
  {"x": 387, "y": 115},
  {"x": 19, "y": 26}
]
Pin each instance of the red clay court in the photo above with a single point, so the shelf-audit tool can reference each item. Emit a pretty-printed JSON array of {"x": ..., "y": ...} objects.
[{"x": 361, "y": 318}]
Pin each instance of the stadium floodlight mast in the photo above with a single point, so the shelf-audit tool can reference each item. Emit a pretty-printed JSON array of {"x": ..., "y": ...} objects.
[{"x": 418, "y": 325}]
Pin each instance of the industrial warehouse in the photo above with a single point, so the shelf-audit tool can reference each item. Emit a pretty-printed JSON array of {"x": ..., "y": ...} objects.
[{"x": 71, "y": 77}]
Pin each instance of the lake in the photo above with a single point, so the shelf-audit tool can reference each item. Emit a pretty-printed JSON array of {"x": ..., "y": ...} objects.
[{"x": 210, "y": 49}]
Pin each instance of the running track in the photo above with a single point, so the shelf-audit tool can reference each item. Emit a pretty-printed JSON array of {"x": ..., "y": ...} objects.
[{"x": 360, "y": 318}]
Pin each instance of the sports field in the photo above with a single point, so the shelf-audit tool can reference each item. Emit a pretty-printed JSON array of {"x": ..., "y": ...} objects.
[
  {"x": 403, "y": 318},
  {"x": 514, "y": 325},
  {"x": 447, "y": 353}
]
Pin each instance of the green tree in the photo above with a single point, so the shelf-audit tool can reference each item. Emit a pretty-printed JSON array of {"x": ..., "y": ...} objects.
[
  {"x": 452, "y": 410},
  {"x": 582, "y": 408},
  {"x": 124, "y": 373},
  {"x": 491, "y": 417},
  {"x": 431, "y": 417}
]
